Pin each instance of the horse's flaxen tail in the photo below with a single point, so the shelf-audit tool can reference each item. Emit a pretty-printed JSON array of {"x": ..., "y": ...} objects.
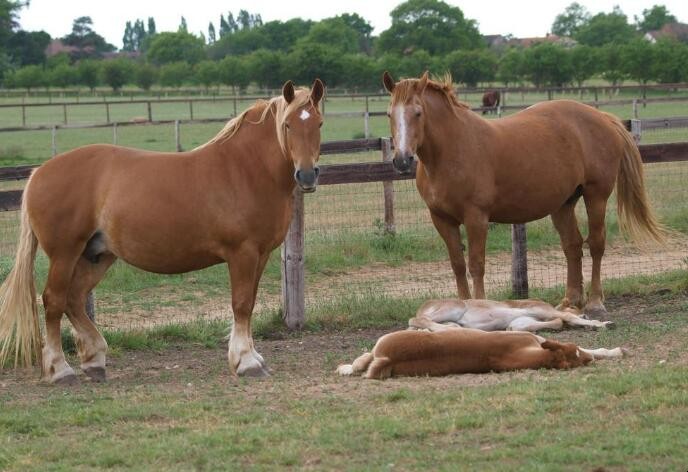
[
  {"x": 636, "y": 217},
  {"x": 20, "y": 334}
]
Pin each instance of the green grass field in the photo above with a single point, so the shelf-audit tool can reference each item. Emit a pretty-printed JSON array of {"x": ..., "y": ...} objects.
[{"x": 172, "y": 405}]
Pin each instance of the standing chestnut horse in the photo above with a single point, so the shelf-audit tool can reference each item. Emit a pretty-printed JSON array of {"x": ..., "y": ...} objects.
[
  {"x": 491, "y": 100},
  {"x": 516, "y": 169},
  {"x": 229, "y": 200}
]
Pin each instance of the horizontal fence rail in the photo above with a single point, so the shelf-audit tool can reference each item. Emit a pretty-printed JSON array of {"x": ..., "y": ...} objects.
[{"x": 293, "y": 290}]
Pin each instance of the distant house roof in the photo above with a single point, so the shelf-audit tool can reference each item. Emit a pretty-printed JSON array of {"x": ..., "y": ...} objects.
[
  {"x": 550, "y": 38},
  {"x": 677, "y": 31},
  {"x": 56, "y": 47},
  {"x": 118, "y": 54},
  {"x": 494, "y": 40}
]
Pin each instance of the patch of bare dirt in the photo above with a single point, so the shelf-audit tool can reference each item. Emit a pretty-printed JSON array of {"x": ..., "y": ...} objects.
[{"x": 303, "y": 364}]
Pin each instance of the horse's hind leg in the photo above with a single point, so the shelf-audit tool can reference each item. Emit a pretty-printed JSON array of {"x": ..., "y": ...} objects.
[
  {"x": 90, "y": 343},
  {"x": 358, "y": 366},
  {"x": 596, "y": 207},
  {"x": 526, "y": 323},
  {"x": 55, "y": 367},
  {"x": 564, "y": 220}
]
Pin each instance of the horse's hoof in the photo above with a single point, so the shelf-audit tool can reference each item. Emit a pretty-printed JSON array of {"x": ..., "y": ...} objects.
[
  {"x": 596, "y": 311},
  {"x": 66, "y": 380},
  {"x": 96, "y": 374},
  {"x": 254, "y": 371}
]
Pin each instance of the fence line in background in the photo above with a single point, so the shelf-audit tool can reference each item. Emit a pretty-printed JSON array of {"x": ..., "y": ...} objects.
[{"x": 293, "y": 270}]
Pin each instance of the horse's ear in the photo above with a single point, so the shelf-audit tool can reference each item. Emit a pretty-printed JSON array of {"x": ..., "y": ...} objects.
[
  {"x": 288, "y": 91},
  {"x": 422, "y": 83},
  {"x": 388, "y": 82},
  {"x": 317, "y": 91}
]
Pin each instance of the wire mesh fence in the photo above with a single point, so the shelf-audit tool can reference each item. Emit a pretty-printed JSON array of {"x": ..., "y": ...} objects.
[{"x": 350, "y": 254}]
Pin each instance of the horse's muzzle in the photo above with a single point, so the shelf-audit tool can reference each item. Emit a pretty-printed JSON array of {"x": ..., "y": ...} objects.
[
  {"x": 307, "y": 179},
  {"x": 402, "y": 164}
]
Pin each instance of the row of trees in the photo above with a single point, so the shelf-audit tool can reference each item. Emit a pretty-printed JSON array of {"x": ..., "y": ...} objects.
[
  {"x": 424, "y": 35},
  {"x": 544, "y": 64}
]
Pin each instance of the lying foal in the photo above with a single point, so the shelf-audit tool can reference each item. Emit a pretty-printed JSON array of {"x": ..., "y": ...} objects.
[
  {"x": 488, "y": 315},
  {"x": 464, "y": 351}
]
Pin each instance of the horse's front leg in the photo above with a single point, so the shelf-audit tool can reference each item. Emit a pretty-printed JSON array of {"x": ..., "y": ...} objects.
[
  {"x": 246, "y": 265},
  {"x": 450, "y": 231},
  {"x": 476, "y": 228}
]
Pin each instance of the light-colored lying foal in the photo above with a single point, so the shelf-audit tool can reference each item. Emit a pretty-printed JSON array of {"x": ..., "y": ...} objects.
[
  {"x": 465, "y": 350},
  {"x": 488, "y": 315}
]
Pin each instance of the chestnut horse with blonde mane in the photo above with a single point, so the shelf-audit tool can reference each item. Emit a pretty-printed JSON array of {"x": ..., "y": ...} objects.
[
  {"x": 229, "y": 200},
  {"x": 517, "y": 169}
]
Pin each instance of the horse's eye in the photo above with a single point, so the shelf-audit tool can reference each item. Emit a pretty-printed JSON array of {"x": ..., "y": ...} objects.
[
  {"x": 417, "y": 114},
  {"x": 320, "y": 125}
]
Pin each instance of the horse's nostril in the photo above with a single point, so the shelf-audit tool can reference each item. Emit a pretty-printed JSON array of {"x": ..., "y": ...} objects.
[{"x": 317, "y": 171}]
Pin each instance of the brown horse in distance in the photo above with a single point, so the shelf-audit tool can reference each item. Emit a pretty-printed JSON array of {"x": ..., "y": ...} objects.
[
  {"x": 517, "y": 169},
  {"x": 491, "y": 100},
  {"x": 229, "y": 200}
]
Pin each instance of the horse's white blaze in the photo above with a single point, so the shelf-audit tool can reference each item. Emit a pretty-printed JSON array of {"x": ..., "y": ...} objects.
[
  {"x": 401, "y": 127},
  {"x": 304, "y": 115}
]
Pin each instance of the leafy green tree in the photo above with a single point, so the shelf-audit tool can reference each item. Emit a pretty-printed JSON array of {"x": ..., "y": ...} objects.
[
  {"x": 282, "y": 36},
  {"x": 211, "y": 33},
  {"x": 671, "y": 61},
  {"x": 654, "y": 18},
  {"x": 605, "y": 28},
  {"x": 152, "y": 30},
  {"x": 238, "y": 44},
  {"x": 84, "y": 38},
  {"x": 432, "y": 25},
  {"x": 88, "y": 73},
  {"x": 9, "y": 18},
  {"x": 128, "y": 37},
  {"x": 417, "y": 63},
  {"x": 585, "y": 62},
  {"x": 308, "y": 61},
  {"x": 207, "y": 73},
  {"x": 359, "y": 71},
  {"x": 611, "y": 64},
  {"x": 29, "y": 77},
  {"x": 27, "y": 47},
  {"x": 511, "y": 67},
  {"x": 117, "y": 72},
  {"x": 362, "y": 28},
  {"x": 146, "y": 76},
  {"x": 334, "y": 33},
  {"x": 547, "y": 64},
  {"x": 170, "y": 47},
  {"x": 471, "y": 67},
  {"x": 571, "y": 20},
  {"x": 175, "y": 74},
  {"x": 638, "y": 60},
  {"x": 183, "y": 28},
  {"x": 266, "y": 68},
  {"x": 391, "y": 63},
  {"x": 57, "y": 60},
  {"x": 234, "y": 71},
  {"x": 63, "y": 76}
]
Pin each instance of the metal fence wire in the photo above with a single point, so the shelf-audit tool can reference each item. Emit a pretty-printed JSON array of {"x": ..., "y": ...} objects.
[{"x": 351, "y": 253}]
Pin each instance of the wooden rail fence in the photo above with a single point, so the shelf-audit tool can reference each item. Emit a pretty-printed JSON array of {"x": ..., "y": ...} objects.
[{"x": 293, "y": 285}]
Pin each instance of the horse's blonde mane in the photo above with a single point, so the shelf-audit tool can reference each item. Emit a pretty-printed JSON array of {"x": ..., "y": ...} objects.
[
  {"x": 278, "y": 106},
  {"x": 405, "y": 89}
]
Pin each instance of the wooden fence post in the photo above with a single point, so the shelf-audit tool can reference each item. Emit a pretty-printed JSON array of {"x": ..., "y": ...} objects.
[
  {"x": 519, "y": 261},
  {"x": 293, "y": 280},
  {"x": 177, "y": 136},
  {"x": 107, "y": 112},
  {"x": 23, "y": 114},
  {"x": 150, "y": 111},
  {"x": 64, "y": 112},
  {"x": 388, "y": 188},
  {"x": 114, "y": 133},
  {"x": 636, "y": 130},
  {"x": 53, "y": 141},
  {"x": 635, "y": 108},
  {"x": 366, "y": 124},
  {"x": 190, "y": 109}
]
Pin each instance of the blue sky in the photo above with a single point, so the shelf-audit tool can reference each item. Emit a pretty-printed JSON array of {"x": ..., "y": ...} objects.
[{"x": 520, "y": 18}]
